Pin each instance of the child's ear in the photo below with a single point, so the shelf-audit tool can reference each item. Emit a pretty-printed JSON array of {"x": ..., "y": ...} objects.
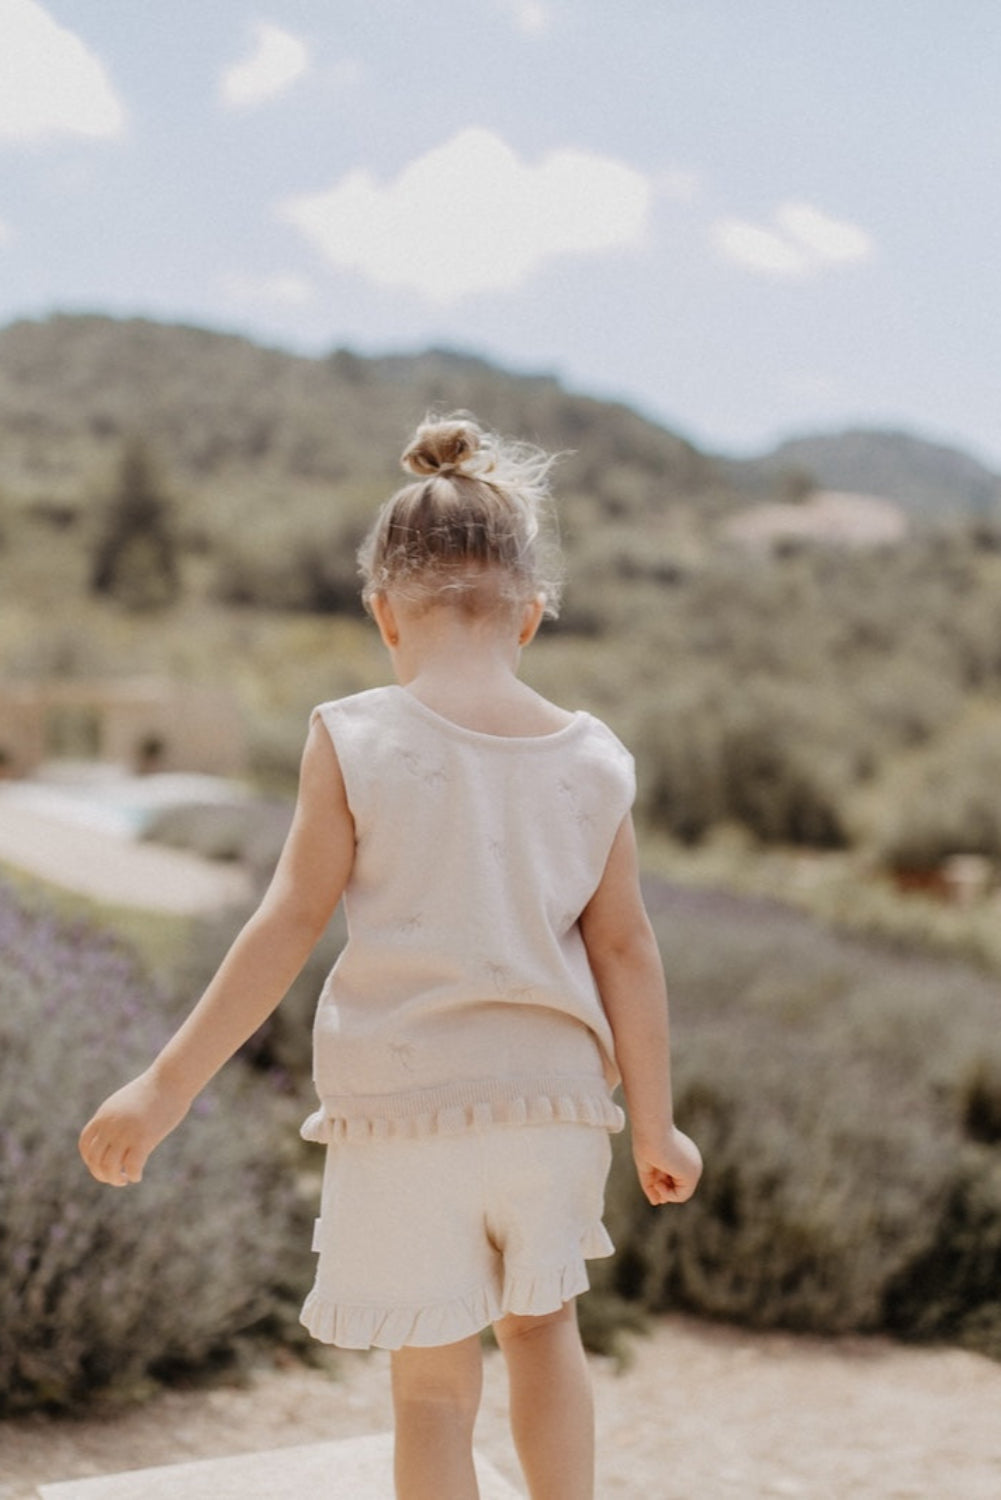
[
  {"x": 385, "y": 618},
  {"x": 531, "y": 619}
]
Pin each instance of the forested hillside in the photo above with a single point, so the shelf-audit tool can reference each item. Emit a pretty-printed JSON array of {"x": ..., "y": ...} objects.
[
  {"x": 180, "y": 501},
  {"x": 928, "y": 479},
  {"x": 220, "y": 407}
]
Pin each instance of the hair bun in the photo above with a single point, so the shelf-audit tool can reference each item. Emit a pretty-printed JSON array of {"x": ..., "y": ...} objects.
[{"x": 450, "y": 445}]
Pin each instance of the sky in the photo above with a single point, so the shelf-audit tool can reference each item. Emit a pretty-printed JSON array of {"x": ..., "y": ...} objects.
[{"x": 751, "y": 219}]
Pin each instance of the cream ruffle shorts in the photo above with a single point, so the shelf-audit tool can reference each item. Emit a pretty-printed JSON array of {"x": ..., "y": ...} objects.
[{"x": 426, "y": 1241}]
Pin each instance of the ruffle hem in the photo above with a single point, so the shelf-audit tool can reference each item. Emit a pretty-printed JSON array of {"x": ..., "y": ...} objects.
[
  {"x": 446, "y": 1112},
  {"x": 531, "y": 1294}
]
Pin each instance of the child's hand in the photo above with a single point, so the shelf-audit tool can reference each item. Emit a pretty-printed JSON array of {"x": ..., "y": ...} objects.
[
  {"x": 669, "y": 1170},
  {"x": 128, "y": 1126}
]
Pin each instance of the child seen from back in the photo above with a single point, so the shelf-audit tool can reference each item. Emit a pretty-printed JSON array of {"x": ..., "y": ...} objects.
[{"x": 500, "y": 978}]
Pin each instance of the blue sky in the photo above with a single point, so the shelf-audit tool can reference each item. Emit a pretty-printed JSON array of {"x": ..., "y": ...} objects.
[{"x": 751, "y": 218}]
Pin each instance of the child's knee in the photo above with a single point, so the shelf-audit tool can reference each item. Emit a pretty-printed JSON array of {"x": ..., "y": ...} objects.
[{"x": 444, "y": 1380}]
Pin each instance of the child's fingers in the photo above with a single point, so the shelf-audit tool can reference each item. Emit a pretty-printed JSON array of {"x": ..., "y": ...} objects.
[
  {"x": 132, "y": 1167},
  {"x": 661, "y": 1190},
  {"x": 661, "y": 1187},
  {"x": 107, "y": 1158},
  {"x": 653, "y": 1185},
  {"x": 109, "y": 1165},
  {"x": 90, "y": 1148}
]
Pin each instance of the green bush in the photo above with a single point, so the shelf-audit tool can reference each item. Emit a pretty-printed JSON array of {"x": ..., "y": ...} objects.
[
  {"x": 948, "y": 805},
  {"x": 767, "y": 756},
  {"x": 101, "y": 1288},
  {"x": 135, "y": 555}
]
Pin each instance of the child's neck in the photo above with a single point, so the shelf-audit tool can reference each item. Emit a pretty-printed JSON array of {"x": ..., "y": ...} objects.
[
  {"x": 467, "y": 671},
  {"x": 443, "y": 652}
]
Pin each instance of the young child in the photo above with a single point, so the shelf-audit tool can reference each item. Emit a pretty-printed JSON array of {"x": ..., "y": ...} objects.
[{"x": 500, "y": 977}]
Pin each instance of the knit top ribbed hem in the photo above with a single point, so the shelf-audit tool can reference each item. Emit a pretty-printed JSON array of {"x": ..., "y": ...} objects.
[{"x": 454, "y": 1108}]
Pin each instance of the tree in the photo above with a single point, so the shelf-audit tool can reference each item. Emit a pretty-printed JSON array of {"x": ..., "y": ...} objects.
[{"x": 135, "y": 557}]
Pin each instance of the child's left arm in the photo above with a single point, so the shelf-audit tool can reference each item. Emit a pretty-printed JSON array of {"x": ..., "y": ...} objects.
[
  {"x": 625, "y": 961},
  {"x": 254, "y": 976}
]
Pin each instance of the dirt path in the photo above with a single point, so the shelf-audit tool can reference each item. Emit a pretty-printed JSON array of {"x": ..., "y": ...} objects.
[
  {"x": 702, "y": 1413},
  {"x": 108, "y": 868}
]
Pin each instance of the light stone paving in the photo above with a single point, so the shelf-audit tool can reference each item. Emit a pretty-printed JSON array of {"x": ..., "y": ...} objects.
[
  {"x": 108, "y": 868},
  {"x": 352, "y": 1469}
]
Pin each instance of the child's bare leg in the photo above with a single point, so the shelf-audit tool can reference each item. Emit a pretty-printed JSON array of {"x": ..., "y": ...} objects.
[
  {"x": 552, "y": 1411},
  {"x": 436, "y": 1395}
]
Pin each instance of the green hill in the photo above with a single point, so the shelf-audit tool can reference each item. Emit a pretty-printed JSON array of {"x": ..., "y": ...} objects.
[
  {"x": 218, "y": 407},
  {"x": 816, "y": 696},
  {"x": 221, "y": 410},
  {"x": 931, "y": 480}
]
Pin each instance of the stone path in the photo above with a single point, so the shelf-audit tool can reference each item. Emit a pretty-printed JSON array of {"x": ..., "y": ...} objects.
[
  {"x": 108, "y": 868},
  {"x": 702, "y": 1412},
  {"x": 354, "y": 1469}
]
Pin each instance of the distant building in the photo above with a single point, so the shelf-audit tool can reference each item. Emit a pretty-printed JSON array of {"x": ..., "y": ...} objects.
[
  {"x": 140, "y": 724},
  {"x": 829, "y": 517}
]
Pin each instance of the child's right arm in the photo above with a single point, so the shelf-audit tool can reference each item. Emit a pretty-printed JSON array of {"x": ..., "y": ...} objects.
[
  {"x": 625, "y": 961},
  {"x": 254, "y": 976}
]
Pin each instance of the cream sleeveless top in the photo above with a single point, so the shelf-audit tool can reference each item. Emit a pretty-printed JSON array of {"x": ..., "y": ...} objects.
[{"x": 463, "y": 996}]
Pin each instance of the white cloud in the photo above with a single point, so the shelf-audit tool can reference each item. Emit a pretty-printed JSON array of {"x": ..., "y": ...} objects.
[
  {"x": 530, "y": 16},
  {"x": 51, "y": 84},
  {"x": 805, "y": 240},
  {"x": 470, "y": 217},
  {"x": 831, "y": 241},
  {"x": 283, "y": 289},
  {"x": 5, "y": 233},
  {"x": 759, "y": 249},
  {"x": 278, "y": 60}
]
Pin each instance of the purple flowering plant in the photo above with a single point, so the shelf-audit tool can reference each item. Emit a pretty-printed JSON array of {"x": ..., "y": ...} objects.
[
  {"x": 101, "y": 1288},
  {"x": 847, "y": 1098}
]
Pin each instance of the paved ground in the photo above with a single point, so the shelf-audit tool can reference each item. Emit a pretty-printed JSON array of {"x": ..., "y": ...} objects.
[
  {"x": 702, "y": 1413},
  {"x": 358, "y": 1468},
  {"x": 114, "y": 869}
]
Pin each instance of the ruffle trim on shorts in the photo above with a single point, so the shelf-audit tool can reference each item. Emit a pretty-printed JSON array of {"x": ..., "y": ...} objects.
[
  {"x": 458, "y": 1108},
  {"x": 529, "y": 1293}
]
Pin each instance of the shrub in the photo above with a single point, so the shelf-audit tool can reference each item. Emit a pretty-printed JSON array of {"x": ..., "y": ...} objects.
[
  {"x": 306, "y": 561},
  {"x": 100, "y": 1288},
  {"x": 781, "y": 779},
  {"x": 766, "y": 755},
  {"x": 949, "y": 805},
  {"x": 951, "y": 1291},
  {"x": 680, "y": 761},
  {"x": 135, "y": 556},
  {"x": 848, "y": 1120}
]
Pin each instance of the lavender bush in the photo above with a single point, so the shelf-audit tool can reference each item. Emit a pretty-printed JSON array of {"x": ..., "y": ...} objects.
[
  {"x": 847, "y": 1098},
  {"x": 99, "y": 1287}
]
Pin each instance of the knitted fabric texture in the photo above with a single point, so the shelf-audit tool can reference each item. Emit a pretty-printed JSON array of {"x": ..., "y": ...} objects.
[{"x": 464, "y": 996}]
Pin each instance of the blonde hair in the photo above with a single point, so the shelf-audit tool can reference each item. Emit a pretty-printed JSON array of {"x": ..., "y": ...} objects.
[{"x": 476, "y": 529}]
